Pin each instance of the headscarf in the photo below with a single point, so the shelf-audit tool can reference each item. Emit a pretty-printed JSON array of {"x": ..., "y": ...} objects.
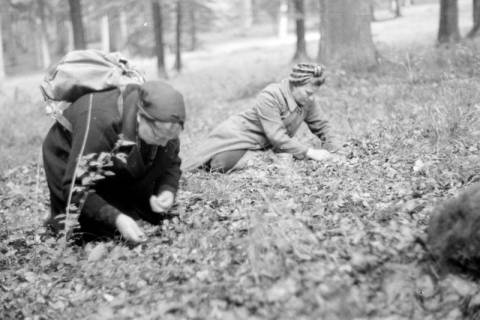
[{"x": 303, "y": 73}]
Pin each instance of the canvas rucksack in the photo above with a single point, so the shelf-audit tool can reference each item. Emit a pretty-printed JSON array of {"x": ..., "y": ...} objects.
[{"x": 84, "y": 71}]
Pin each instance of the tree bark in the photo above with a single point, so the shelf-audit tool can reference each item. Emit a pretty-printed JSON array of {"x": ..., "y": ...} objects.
[
  {"x": 476, "y": 19},
  {"x": 178, "y": 36},
  {"x": 301, "y": 48},
  {"x": 77, "y": 24},
  {"x": 448, "y": 30},
  {"x": 346, "y": 37},
  {"x": 158, "y": 31}
]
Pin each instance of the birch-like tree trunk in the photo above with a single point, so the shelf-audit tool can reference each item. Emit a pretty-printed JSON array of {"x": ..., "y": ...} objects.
[
  {"x": 105, "y": 33},
  {"x": 283, "y": 19}
]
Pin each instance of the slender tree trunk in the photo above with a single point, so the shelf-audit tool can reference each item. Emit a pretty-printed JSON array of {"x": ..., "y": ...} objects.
[
  {"x": 346, "y": 37},
  {"x": 283, "y": 19},
  {"x": 476, "y": 19},
  {"x": 43, "y": 34},
  {"x": 193, "y": 26},
  {"x": 178, "y": 36},
  {"x": 158, "y": 31},
  {"x": 77, "y": 24},
  {"x": 448, "y": 30},
  {"x": 105, "y": 33},
  {"x": 372, "y": 10},
  {"x": 122, "y": 20},
  {"x": 2, "y": 61},
  {"x": 301, "y": 49},
  {"x": 61, "y": 33}
]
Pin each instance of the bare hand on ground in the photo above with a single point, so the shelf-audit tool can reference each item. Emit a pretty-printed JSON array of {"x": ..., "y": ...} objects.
[
  {"x": 129, "y": 229},
  {"x": 162, "y": 202},
  {"x": 323, "y": 155}
]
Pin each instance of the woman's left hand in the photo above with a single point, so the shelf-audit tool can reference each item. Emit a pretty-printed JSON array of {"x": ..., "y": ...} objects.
[{"x": 162, "y": 202}]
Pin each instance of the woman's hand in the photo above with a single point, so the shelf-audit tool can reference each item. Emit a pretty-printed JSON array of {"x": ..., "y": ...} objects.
[
  {"x": 323, "y": 155},
  {"x": 129, "y": 229},
  {"x": 163, "y": 202}
]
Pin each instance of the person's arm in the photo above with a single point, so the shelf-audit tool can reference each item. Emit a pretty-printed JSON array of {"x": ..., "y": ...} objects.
[
  {"x": 101, "y": 137},
  {"x": 274, "y": 128},
  {"x": 316, "y": 124},
  {"x": 170, "y": 179},
  {"x": 167, "y": 183}
]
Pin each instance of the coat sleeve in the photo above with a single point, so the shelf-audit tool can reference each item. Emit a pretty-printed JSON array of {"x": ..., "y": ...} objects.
[
  {"x": 101, "y": 137},
  {"x": 315, "y": 123},
  {"x": 269, "y": 115},
  {"x": 169, "y": 180}
]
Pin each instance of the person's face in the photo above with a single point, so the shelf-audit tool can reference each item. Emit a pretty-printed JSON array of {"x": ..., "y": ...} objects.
[
  {"x": 304, "y": 94},
  {"x": 156, "y": 132}
]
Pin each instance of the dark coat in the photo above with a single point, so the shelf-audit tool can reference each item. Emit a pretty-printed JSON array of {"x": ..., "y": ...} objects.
[{"x": 149, "y": 169}]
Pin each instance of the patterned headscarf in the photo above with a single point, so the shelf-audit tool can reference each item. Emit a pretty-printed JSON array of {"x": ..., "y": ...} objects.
[{"x": 303, "y": 73}]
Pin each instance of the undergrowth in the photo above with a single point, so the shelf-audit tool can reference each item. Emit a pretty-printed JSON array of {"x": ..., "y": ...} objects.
[{"x": 279, "y": 239}]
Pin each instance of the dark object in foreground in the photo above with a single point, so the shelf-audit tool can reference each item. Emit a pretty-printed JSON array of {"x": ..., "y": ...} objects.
[{"x": 453, "y": 233}]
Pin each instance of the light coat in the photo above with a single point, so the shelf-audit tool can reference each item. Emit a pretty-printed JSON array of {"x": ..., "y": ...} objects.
[{"x": 271, "y": 123}]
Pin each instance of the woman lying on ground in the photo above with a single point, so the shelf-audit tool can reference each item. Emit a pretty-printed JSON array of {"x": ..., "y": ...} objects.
[{"x": 278, "y": 112}]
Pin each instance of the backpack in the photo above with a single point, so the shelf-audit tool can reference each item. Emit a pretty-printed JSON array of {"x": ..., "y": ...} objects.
[{"x": 84, "y": 71}]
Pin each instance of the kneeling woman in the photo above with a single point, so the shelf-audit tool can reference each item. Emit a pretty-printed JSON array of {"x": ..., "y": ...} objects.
[{"x": 278, "y": 112}]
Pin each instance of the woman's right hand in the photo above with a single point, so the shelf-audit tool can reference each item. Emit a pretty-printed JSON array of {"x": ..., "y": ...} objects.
[
  {"x": 322, "y": 155},
  {"x": 129, "y": 229}
]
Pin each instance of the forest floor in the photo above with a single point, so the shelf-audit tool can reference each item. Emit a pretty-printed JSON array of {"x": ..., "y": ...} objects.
[{"x": 280, "y": 238}]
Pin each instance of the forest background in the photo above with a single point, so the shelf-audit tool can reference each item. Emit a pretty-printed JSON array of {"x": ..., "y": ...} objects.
[{"x": 280, "y": 239}]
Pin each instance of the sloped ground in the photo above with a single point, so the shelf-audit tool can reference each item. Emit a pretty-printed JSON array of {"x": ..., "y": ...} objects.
[{"x": 280, "y": 239}]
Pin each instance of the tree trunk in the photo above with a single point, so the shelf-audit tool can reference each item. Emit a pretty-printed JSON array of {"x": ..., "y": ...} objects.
[
  {"x": 105, "y": 33},
  {"x": 301, "y": 50},
  {"x": 61, "y": 34},
  {"x": 283, "y": 19},
  {"x": 122, "y": 20},
  {"x": 77, "y": 24},
  {"x": 2, "y": 61},
  {"x": 448, "y": 30},
  {"x": 372, "y": 10},
  {"x": 476, "y": 19},
  {"x": 346, "y": 37},
  {"x": 43, "y": 34},
  {"x": 193, "y": 26},
  {"x": 158, "y": 31},
  {"x": 178, "y": 36},
  {"x": 396, "y": 8}
]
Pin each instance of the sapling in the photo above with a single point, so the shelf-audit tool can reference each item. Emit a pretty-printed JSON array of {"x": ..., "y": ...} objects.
[{"x": 92, "y": 168}]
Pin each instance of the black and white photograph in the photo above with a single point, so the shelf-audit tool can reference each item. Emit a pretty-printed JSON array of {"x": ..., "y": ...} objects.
[{"x": 240, "y": 159}]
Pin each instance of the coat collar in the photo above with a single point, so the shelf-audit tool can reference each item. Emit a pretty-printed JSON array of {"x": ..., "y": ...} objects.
[{"x": 287, "y": 93}]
